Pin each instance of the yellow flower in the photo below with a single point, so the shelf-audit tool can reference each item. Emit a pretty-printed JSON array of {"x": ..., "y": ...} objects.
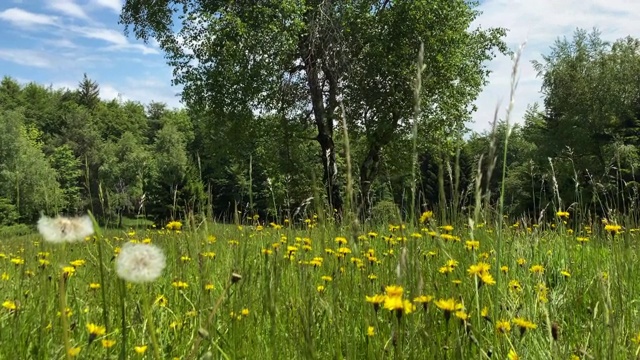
[
  {"x": 524, "y": 324},
  {"x": 106, "y": 343},
  {"x": 448, "y": 306},
  {"x": 174, "y": 225},
  {"x": 327, "y": 278},
  {"x": 77, "y": 263},
  {"x": 371, "y": 331},
  {"x": 503, "y": 326},
  {"x": 426, "y": 216},
  {"x": 94, "y": 286},
  {"x": 10, "y": 305},
  {"x": 612, "y": 228},
  {"x": 180, "y": 285},
  {"x": 562, "y": 214},
  {"x": 565, "y": 273},
  {"x": 161, "y": 301},
  {"x": 208, "y": 287},
  {"x": 17, "y": 261},
  {"x": 514, "y": 285},
  {"x": 394, "y": 291},
  {"x": 185, "y": 258},
  {"x": 73, "y": 352},
  {"x": 95, "y": 331},
  {"x": 376, "y": 300},
  {"x": 521, "y": 261},
  {"x": 67, "y": 271},
  {"x": 582, "y": 240},
  {"x": 320, "y": 288},
  {"x": 512, "y": 355},
  {"x": 472, "y": 245},
  {"x": 340, "y": 240},
  {"x": 448, "y": 228},
  {"x": 537, "y": 269},
  {"x": 140, "y": 349}
]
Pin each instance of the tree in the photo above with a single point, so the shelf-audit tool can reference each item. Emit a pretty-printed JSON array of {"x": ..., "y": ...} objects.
[
  {"x": 326, "y": 48},
  {"x": 88, "y": 93}
]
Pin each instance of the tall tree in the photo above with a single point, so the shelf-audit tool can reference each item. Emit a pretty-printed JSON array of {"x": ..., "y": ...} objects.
[
  {"x": 88, "y": 92},
  {"x": 326, "y": 47}
]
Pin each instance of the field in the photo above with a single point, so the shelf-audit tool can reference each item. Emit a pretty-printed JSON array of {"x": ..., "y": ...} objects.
[{"x": 563, "y": 290}]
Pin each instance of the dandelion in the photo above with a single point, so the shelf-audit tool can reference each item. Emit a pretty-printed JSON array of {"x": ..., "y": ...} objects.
[
  {"x": 581, "y": 239},
  {"x": 180, "y": 285},
  {"x": 140, "y": 349},
  {"x": 565, "y": 273},
  {"x": 244, "y": 312},
  {"x": 613, "y": 229},
  {"x": 161, "y": 301},
  {"x": 512, "y": 355},
  {"x": 537, "y": 269},
  {"x": 503, "y": 326},
  {"x": 174, "y": 225},
  {"x": 375, "y": 300},
  {"x": 10, "y": 305},
  {"x": 95, "y": 331},
  {"x": 106, "y": 343},
  {"x": 424, "y": 300},
  {"x": 73, "y": 352},
  {"x": 426, "y": 216},
  {"x": 65, "y": 229},
  {"x": 524, "y": 325},
  {"x": 140, "y": 263},
  {"x": 448, "y": 306},
  {"x": 472, "y": 244},
  {"x": 320, "y": 289},
  {"x": 563, "y": 214},
  {"x": 371, "y": 331},
  {"x": 327, "y": 278}
]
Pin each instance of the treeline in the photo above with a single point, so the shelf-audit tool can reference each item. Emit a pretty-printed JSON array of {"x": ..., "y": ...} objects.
[{"x": 66, "y": 151}]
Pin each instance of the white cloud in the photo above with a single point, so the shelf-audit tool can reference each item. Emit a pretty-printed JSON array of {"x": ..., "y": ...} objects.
[
  {"x": 68, "y": 7},
  {"x": 25, "y": 19},
  {"x": 540, "y": 23},
  {"x": 115, "y": 5},
  {"x": 117, "y": 40},
  {"x": 26, "y": 57}
]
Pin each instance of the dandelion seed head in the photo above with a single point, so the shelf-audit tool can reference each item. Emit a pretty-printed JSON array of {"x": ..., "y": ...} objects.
[
  {"x": 139, "y": 263},
  {"x": 65, "y": 229}
]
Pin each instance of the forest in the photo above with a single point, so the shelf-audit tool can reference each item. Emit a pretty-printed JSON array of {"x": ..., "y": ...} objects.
[{"x": 265, "y": 139}]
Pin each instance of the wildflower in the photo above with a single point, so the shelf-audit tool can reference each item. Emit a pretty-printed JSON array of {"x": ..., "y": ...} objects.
[
  {"x": 447, "y": 228},
  {"x": 394, "y": 291},
  {"x": 340, "y": 240},
  {"x": 208, "y": 254},
  {"x": 524, "y": 325},
  {"x": 514, "y": 285},
  {"x": 140, "y": 349},
  {"x": 4, "y": 276},
  {"x": 327, "y": 278},
  {"x": 582, "y": 240},
  {"x": 371, "y": 331},
  {"x": 503, "y": 326},
  {"x": 320, "y": 288},
  {"x": 613, "y": 229},
  {"x": 68, "y": 271},
  {"x": 185, "y": 258},
  {"x": 397, "y": 304},
  {"x": 426, "y": 216},
  {"x": 472, "y": 245},
  {"x": 161, "y": 301},
  {"x": 17, "y": 261},
  {"x": 504, "y": 269},
  {"x": 10, "y": 305},
  {"x": 77, "y": 263},
  {"x": 106, "y": 343},
  {"x": 208, "y": 287},
  {"x": 94, "y": 286},
  {"x": 537, "y": 269},
  {"x": 462, "y": 315},
  {"x": 565, "y": 273},
  {"x": 244, "y": 312},
  {"x": 140, "y": 263},
  {"x": 563, "y": 214},
  {"x": 485, "y": 313},
  {"x": 180, "y": 285},
  {"x": 424, "y": 300},
  {"x": 95, "y": 331},
  {"x": 73, "y": 352},
  {"x": 65, "y": 229},
  {"x": 174, "y": 225},
  {"x": 448, "y": 306},
  {"x": 512, "y": 355},
  {"x": 375, "y": 300},
  {"x": 267, "y": 251}
]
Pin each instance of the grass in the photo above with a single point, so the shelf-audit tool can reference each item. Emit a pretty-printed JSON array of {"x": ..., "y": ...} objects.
[{"x": 285, "y": 307}]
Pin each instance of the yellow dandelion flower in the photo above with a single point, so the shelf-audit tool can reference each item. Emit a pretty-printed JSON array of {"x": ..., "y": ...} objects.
[
  {"x": 140, "y": 349},
  {"x": 209, "y": 287},
  {"x": 244, "y": 312},
  {"x": 320, "y": 288},
  {"x": 94, "y": 286},
  {"x": 512, "y": 355},
  {"x": 180, "y": 285},
  {"x": 565, "y": 273},
  {"x": 448, "y": 306},
  {"x": 371, "y": 331},
  {"x": 74, "y": 351},
  {"x": 375, "y": 300},
  {"x": 10, "y": 305},
  {"x": 503, "y": 326},
  {"x": 393, "y": 291},
  {"x": 537, "y": 269},
  {"x": 107, "y": 343},
  {"x": 161, "y": 301},
  {"x": 472, "y": 245},
  {"x": 524, "y": 324}
]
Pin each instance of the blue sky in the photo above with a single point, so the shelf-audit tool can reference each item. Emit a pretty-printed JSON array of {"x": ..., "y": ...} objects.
[{"x": 54, "y": 42}]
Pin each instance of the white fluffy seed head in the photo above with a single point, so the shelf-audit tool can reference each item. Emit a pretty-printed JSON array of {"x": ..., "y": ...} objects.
[
  {"x": 140, "y": 263},
  {"x": 65, "y": 229}
]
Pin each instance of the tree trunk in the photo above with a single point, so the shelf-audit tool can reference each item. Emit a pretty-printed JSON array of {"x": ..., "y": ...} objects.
[
  {"x": 368, "y": 173},
  {"x": 324, "y": 117}
]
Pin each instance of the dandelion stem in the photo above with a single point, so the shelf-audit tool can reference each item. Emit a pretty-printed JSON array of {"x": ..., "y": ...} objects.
[
  {"x": 123, "y": 296},
  {"x": 63, "y": 317},
  {"x": 152, "y": 328}
]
